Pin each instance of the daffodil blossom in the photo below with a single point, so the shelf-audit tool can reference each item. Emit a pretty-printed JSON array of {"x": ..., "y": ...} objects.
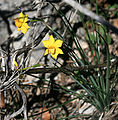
[
  {"x": 16, "y": 64},
  {"x": 53, "y": 47},
  {"x": 21, "y": 23}
]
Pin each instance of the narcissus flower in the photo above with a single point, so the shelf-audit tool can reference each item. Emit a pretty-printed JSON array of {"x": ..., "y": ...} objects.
[
  {"x": 21, "y": 23},
  {"x": 53, "y": 47},
  {"x": 16, "y": 64}
]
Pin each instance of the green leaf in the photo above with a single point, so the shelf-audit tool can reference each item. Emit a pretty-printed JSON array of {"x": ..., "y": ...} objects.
[
  {"x": 36, "y": 65},
  {"x": 108, "y": 39},
  {"x": 92, "y": 38},
  {"x": 102, "y": 31}
]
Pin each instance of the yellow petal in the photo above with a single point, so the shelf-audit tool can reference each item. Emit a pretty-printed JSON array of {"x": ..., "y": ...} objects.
[
  {"x": 58, "y": 51},
  {"x": 46, "y": 52},
  {"x": 26, "y": 25},
  {"x": 16, "y": 64},
  {"x": 23, "y": 29},
  {"x": 51, "y": 40},
  {"x": 18, "y": 29},
  {"x": 58, "y": 43},
  {"x": 25, "y": 18},
  {"x": 21, "y": 16},
  {"x": 46, "y": 43},
  {"x": 54, "y": 56}
]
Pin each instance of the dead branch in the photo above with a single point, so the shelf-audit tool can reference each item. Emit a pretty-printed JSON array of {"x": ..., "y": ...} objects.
[
  {"x": 22, "y": 109},
  {"x": 68, "y": 69}
]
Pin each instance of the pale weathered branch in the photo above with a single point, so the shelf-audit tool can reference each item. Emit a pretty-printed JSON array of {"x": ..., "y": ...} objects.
[{"x": 22, "y": 109}]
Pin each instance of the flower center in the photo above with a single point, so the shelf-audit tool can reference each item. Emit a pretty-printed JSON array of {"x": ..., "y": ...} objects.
[
  {"x": 52, "y": 50},
  {"x": 18, "y": 23}
]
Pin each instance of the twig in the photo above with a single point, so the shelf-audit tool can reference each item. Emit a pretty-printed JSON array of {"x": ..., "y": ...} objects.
[
  {"x": 101, "y": 116},
  {"x": 65, "y": 69},
  {"x": 22, "y": 109},
  {"x": 68, "y": 69}
]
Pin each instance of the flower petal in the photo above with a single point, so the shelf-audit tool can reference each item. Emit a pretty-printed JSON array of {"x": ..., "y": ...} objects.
[
  {"x": 23, "y": 29},
  {"x": 51, "y": 40},
  {"x": 58, "y": 43},
  {"x": 26, "y": 25},
  {"x": 58, "y": 51},
  {"x": 46, "y": 43},
  {"x": 25, "y": 18},
  {"x": 18, "y": 29},
  {"x": 54, "y": 56},
  {"x": 16, "y": 64},
  {"x": 46, "y": 52},
  {"x": 21, "y": 16}
]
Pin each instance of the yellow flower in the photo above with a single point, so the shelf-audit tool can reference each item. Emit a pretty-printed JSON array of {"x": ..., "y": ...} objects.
[
  {"x": 21, "y": 76},
  {"x": 21, "y": 23},
  {"x": 53, "y": 47},
  {"x": 16, "y": 64}
]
